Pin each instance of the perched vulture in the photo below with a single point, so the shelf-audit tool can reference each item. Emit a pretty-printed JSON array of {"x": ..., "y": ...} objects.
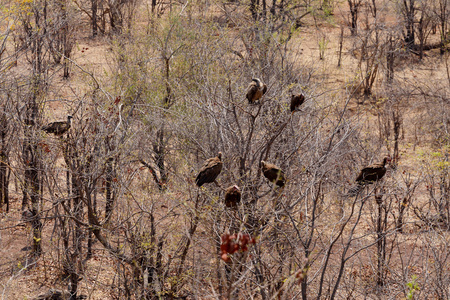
[
  {"x": 273, "y": 173},
  {"x": 210, "y": 170},
  {"x": 58, "y": 128},
  {"x": 373, "y": 172},
  {"x": 232, "y": 196},
  {"x": 369, "y": 174},
  {"x": 296, "y": 101},
  {"x": 256, "y": 89}
]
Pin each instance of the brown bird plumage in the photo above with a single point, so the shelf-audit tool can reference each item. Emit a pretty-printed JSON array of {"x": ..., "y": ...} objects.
[
  {"x": 373, "y": 172},
  {"x": 296, "y": 101},
  {"x": 273, "y": 173},
  {"x": 210, "y": 170},
  {"x": 256, "y": 89},
  {"x": 368, "y": 175},
  {"x": 58, "y": 128},
  {"x": 232, "y": 196}
]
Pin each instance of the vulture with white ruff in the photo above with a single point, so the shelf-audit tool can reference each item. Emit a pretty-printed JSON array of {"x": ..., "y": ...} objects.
[{"x": 256, "y": 89}]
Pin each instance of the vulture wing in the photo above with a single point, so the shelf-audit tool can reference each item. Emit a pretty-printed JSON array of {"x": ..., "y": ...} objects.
[
  {"x": 369, "y": 174},
  {"x": 296, "y": 101},
  {"x": 372, "y": 173},
  {"x": 209, "y": 172},
  {"x": 274, "y": 174},
  {"x": 252, "y": 92},
  {"x": 57, "y": 128}
]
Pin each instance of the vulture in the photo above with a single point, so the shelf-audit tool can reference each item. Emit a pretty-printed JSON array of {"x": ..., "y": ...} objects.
[
  {"x": 232, "y": 196},
  {"x": 58, "y": 128},
  {"x": 373, "y": 172},
  {"x": 256, "y": 89},
  {"x": 273, "y": 173},
  {"x": 370, "y": 174},
  {"x": 210, "y": 170},
  {"x": 296, "y": 101}
]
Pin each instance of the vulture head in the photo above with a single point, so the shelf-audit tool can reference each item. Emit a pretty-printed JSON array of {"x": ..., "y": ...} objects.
[{"x": 257, "y": 82}]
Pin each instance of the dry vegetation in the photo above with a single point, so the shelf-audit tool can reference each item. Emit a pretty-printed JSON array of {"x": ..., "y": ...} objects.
[{"x": 110, "y": 210}]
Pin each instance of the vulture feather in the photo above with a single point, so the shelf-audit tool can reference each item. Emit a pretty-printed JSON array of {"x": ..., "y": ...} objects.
[
  {"x": 369, "y": 174},
  {"x": 296, "y": 101},
  {"x": 210, "y": 170},
  {"x": 256, "y": 89},
  {"x": 232, "y": 196},
  {"x": 58, "y": 128},
  {"x": 273, "y": 173},
  {"x": 373, "y": 172}
]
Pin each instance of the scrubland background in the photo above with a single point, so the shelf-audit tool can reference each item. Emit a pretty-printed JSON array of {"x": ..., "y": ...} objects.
[{"x": 111, "y": 210}]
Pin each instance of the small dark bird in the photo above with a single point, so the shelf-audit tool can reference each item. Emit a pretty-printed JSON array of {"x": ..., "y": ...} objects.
[
  {"x": 210, "y": 170},
  {"x": 297, "y": 101},
  {"x": 273, "y": 173},
  {"x": 369, "y": 174},
  {"x": 58, "y": 128},
  {"x": 232, "y": 196},
  {"x": 256, "y": 89}
]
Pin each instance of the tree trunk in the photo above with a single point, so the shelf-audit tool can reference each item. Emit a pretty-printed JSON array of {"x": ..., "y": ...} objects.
[
  {"x": 381, "y": 241},
  {"x": 4, "y": 180},
  {"x": 73, "y": 233},
  {"x": 354, "y": 8},
  {"x": 341, "y": 41},
  {"x": 30, "y": 151},
  {"x": 397, "y": 119},
  {"x": 4, "y": 173},
  {"x": 254, "y": 9},
  {"x": 115, "y": 17},
  {"x": 264, "y": 9},
  {"x": 409, "y": 22},
  {"x": 108, "y": 189},
  {"x": 443, "y": 18},
  {"x": 67, "y": 43},
  {"x": 390, "y": 60},
  {"x": 273, "y": 8},
  {"x": 94, "y": 7},
  {"x": 75, "y": 254},
  {"x": 32, "y": 186}
]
